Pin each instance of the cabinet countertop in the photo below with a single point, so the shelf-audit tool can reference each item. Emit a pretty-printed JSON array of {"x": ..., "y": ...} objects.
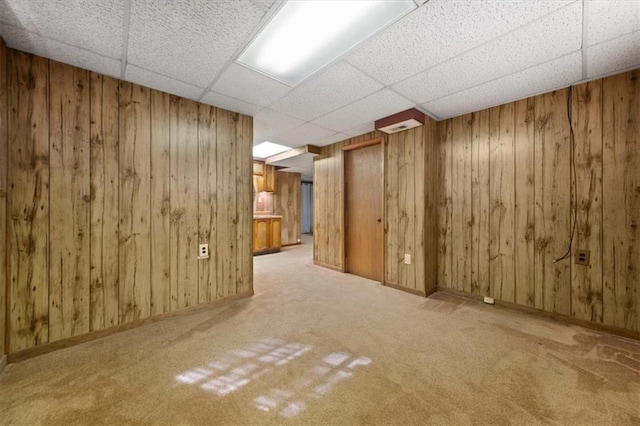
[{"x": 266, "y": 216}]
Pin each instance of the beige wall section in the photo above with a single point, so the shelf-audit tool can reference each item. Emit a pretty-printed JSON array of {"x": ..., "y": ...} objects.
[
  {"x": 3, "y": 197},
  {"x": 287, "y": 203},
  {"x": 112, "y": 188},
  {"x": 504, "y": 208}
]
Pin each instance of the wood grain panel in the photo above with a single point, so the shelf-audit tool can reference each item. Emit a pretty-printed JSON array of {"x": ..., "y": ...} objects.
[
  {"x": 586, "y": 281},
  {"x": 226, "y": 193},
  {"x": 134, "y": 212},
  {"x": 104, "y": 202},
  {"x": 28, "y": 201},
  {"x": 553, "y": 207},
  {"x": 160, "y": 164},
  {"x": 244, "y": 201},
  {"x": 524, "y": 220},
  {"x": 207, "y": 199},
  {"x": 480, "y": 201},
  {"x": 461, "y": 202},
  {"x": 445, "y": 217},
  {"x": 69, "y": 191},
  {"x": 287, "y": 203},
  {"x": 4, "y": 164},
  {"x": 184, "y": 212},
  {"x": 621, "y": 200},
  {"x": 394, "y": 155},
  {"x": 431, "y": 190},
  {"x": 502, "y": 200}
]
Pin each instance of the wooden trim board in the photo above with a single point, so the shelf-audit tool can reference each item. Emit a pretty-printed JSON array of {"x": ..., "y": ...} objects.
[
  {"x": 406, "y": 289},
  {"x": 3, "y": 363},
  {"x": 76, "y": 340},
  {"x": 326, "y": 265},
  {"x": 363, "y": 144},
  {"x": 545, "y": 314}
]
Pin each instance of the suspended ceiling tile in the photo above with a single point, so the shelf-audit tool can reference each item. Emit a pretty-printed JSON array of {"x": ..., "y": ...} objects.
[
  {"x": 242, "y": 83},
  {"x": 190, "y": 40},
  {"x": 332, "y": 139},
  {"x": 605, "y": 20},
  {"x": 617, "y": 55},
  {"x": 162, "y": 83},
  {"x": 558, "y": 73},
  {"x": 308, "y": 133},
  {"x": 329, "y": 90},
  {"x": 94, "y": 25},
  {"x": 551, "y": 37},
  {"x": 23, "y": 40},
  {"x": 361, "y": 130},
  {"x": 267, "y": 124},
  {"x": 367, "y": 110},
  {"x": 441, "y": 30},
  {"x": 231, "y": 104}
]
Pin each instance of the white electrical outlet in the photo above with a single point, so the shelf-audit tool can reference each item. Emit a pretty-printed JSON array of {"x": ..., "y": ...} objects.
[
  {"x": 407, "y": 259},
  {"x": 203, "y": 251},
  {"x": 489, "y": 300}
]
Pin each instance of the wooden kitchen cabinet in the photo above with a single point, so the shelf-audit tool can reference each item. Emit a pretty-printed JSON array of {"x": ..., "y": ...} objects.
[
  {"x": 264, "y": 177},
  {"x": 266, "y": 234}
]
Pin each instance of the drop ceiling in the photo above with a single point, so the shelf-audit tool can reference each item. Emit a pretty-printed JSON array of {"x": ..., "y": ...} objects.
[{"x": 446, "y": 57}]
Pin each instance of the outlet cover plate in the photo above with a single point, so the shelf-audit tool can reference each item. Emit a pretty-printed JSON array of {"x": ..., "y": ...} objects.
[{"x": 582, "y": 257}]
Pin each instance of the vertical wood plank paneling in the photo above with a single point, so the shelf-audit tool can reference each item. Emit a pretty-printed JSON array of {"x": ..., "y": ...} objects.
[
  {"x": 480, "y": 164},
  {"x": 432, "y": 190},
  {"x": 160, "y": 203},
  {"x": 445, "y": 216},
  {"x": 134, "y": 211},
  {"x": 207, "y": 199},
  {"x": 586, "y": 281},
  {"x": 104, "y": 202},
  {"x": 524, "y": 151},
  {"x": 502, "y": 199},
  {"x": 461, "y": 203},
  {"x": 402, "y": 221},
  {"x": 226, "y": 192},
  {"x": 553, "y": 209},
  {"x": 69, "y": 191},
  {"x": 28, "y": 201},
  {"x": 244, "y": 217},
  {"x": 287, "y": 203},
  {"x": 391, "y": 209},
  {"x": 417, "y": 210},
  {"x": 184, "y": 212},
  {"x": 4, "y": 164},
  {"x": 621, "y": 200}
]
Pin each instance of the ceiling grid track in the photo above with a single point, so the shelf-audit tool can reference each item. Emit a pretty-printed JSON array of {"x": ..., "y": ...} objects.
[
  {"x": 125, "y": 38},
  {"x": 583, "y": 45}
]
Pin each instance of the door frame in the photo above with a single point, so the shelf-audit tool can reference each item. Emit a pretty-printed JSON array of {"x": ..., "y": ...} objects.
[{"x": 383, "y": 146}]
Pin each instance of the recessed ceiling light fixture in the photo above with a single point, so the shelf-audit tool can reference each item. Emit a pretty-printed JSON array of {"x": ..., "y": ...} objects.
[
  {"x": 305, "y": 36},
  {"x": 267, "y": 149}
]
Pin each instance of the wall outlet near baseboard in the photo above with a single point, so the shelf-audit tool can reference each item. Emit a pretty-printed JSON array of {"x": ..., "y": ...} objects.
[
  {"x": 489, "y": 300},
  {"x": 407, "y": 259}
]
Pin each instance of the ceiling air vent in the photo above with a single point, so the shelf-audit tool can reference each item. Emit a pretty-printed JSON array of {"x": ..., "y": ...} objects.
[{"x": 404, "y": 120}]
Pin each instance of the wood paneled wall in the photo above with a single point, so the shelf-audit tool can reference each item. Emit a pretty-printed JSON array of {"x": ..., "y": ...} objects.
[
  {"x": 112, "y": 186},
  {"x": 3, "y": 196},
  {"x": 411, "y": 176},
  {"x": 328, "y": 202},
  {"x": 411, "y": 207},
  {"x": 287, "y": 203},
  {"x": 505, "y": 209}
]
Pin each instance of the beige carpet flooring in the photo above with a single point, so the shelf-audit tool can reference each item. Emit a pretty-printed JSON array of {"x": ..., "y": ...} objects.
[{"x": 315, "y": 346}]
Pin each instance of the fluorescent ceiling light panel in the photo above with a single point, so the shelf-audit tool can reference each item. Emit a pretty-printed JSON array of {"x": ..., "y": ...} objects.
[
  {"x": 267, "y": 149},
  {"x": 305, "y": 36}
]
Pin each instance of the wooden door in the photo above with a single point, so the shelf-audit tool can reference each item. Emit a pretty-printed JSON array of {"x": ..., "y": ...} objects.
[
  {"x": 363, "y": 211},
  {"x": 276, "y": 231}
]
